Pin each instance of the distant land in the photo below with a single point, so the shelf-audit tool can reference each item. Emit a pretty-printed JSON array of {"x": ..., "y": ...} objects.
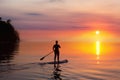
[{"x": 8, "y": 32}]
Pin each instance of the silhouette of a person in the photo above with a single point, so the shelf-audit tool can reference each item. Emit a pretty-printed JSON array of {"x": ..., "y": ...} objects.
[{"x": 56, "y": 47}]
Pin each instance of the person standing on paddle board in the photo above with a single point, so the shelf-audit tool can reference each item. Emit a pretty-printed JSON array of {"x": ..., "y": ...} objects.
[{"x": 56, "y": 47}]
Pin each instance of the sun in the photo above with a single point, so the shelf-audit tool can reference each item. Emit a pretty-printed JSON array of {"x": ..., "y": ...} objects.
[{"x": 97, "y": 32}]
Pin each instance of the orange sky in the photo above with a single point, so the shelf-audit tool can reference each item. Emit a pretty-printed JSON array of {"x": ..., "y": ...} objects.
[{"x": 75, "y": 20}]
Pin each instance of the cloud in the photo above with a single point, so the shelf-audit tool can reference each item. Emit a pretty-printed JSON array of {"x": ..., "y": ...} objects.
[
  {"x": 68, "y": 21},
  {"x": 51, "y": 27},
  {"x": 34, "y": 14},
  {"x": 80, "y": 27},
  {"x": 55, "y": 0},
  {"x": 48, "y": 1}
]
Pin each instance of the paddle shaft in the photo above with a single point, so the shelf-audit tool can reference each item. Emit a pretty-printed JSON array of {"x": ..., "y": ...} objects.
[{"x": 46, "y": 55}]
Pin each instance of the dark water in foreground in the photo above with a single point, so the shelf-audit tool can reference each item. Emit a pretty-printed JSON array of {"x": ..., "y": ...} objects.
[{"x": 23, "y": 64}]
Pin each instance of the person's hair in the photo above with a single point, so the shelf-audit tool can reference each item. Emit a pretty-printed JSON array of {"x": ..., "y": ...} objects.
[{"x": 56, "y": 41}]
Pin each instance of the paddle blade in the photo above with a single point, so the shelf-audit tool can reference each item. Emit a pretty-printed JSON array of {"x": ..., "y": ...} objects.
[{"x": 42, "y": 58}]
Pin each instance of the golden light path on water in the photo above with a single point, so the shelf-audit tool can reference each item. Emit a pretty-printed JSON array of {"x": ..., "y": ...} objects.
[
  {"x": 98, "y": 51},
  {"x": 98, "y": 47}
]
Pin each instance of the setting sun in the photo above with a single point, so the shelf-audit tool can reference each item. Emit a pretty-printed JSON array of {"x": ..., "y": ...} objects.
[
  {"x": 97, "y": 32},
  {"x": 60, "y": 39}
]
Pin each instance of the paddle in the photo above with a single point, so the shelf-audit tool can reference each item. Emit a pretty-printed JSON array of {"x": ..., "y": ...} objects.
[{"x": 46, "y": 55}]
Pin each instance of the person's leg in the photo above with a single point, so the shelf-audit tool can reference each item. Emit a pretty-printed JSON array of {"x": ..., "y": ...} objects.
[
  {"x": 54, "y": 60},
  {"x": 58, "y": 58},
  {"x": 55, "y": 57}
]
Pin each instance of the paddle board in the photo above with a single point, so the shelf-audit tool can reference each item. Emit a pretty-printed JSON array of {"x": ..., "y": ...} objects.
[{"x": 52, "y": 62}]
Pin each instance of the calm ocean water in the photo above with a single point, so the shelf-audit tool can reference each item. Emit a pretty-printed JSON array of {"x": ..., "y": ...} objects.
[{"x": 21, "y": 62}]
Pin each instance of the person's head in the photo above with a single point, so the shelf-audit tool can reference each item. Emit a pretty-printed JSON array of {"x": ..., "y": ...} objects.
[{"x": 56, "y": 42}]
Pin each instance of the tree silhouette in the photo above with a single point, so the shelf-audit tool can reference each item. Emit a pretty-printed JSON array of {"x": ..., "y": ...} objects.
[{"x": 7, "y": 32}]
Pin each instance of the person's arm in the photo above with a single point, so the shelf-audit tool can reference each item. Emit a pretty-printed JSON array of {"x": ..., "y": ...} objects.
[{"x": 59, "y": 46}]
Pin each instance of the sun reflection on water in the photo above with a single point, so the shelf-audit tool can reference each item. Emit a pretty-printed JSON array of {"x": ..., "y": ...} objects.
[{"x": 98, "y": 48}]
